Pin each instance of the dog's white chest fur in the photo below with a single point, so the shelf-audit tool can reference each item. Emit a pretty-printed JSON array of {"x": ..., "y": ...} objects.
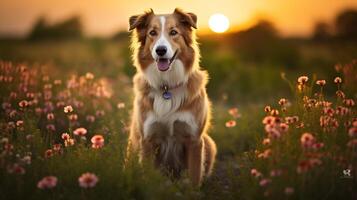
[
  {"x": 173, "y": 76},
  {"x": 166, "y": 110}
]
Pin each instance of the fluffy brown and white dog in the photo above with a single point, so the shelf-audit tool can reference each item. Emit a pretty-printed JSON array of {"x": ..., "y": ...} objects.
[{"x": 171, "y": 112}]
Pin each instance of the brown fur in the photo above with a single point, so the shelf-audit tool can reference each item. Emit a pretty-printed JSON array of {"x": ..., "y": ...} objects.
[{"x": 183, "y": 150}]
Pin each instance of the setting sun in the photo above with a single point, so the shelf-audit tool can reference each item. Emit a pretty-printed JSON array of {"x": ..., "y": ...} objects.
[{"x": 218, "y": 23}]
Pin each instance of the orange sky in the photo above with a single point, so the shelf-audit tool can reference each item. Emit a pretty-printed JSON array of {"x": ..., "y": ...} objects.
[{"x": 104, "y": 17}]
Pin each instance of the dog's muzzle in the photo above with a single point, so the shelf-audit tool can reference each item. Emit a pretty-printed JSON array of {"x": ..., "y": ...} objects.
[{"x": 163, "y": 64}]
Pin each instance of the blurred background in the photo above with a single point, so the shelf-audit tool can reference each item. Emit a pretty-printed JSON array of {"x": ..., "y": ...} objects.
[
  {"x": 249, "y": 48},
  {"x": 258, "y": 40}
]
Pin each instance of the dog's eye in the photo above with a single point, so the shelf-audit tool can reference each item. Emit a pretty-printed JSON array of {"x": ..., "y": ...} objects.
[
  {"x": 173, "y": 32},
  {"x": 152, "y": 33}
]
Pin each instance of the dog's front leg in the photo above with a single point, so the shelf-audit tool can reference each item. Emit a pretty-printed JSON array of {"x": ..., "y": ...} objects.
[
  {"x": 194, "y": 145},
  {"x": 154, "y": 136},
  {"x": 195, "y": 161}
]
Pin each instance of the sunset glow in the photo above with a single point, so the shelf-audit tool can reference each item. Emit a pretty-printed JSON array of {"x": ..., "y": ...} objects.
[
  {"x": 218, "y": 23},
  {"x": 104, "y": 18}
]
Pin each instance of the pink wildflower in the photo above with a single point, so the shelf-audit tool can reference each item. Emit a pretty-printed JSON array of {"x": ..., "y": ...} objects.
[
  {"x": 231, "y": 123},
  {"x": 80, "y": 131},
  {"x": 97, "y": 141},
  {"x": 47, "y": 182},
  {"x": 87, "y": 180}
]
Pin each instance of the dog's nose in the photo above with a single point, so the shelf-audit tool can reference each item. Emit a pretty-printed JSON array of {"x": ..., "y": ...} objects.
[{"x": 161, "y": 50}]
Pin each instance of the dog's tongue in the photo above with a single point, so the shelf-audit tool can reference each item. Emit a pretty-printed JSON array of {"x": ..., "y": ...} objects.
[{"x": 163, "y": 64}]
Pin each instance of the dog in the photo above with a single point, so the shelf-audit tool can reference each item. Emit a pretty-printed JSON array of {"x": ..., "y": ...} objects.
[{"x": 171, "y": 109}]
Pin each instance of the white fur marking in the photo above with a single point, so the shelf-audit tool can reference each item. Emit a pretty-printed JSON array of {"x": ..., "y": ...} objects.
[
  {"x": 162, "y": 41},
  {"x": 162, "y": 20}
]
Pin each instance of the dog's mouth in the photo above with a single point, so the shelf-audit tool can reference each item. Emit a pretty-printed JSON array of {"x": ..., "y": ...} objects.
[{"x": 163, "y": 64}]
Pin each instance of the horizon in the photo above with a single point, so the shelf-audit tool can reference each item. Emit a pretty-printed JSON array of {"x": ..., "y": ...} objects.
[{"x": 111, "y": 16}]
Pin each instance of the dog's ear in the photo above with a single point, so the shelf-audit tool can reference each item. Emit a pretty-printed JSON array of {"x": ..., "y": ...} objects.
[
  {"x": 188, "y": 19},
  {"x": 140, "y": 21},
  {"x": 133, "y": 22}
]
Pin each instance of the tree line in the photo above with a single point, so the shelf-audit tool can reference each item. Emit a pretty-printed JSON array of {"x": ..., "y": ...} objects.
[{"x": 344, "y": 26}]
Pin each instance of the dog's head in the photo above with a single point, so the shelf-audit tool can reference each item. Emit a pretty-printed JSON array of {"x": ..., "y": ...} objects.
[{"x": 163, "y": 40}]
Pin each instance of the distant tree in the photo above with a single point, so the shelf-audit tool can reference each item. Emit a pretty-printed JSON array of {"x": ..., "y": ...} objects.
[
  {"x": 70, "y": 28},
  {"x": 321, "y": 31},
  {"x": 262, "y": 43},
  {"x": 262, "y": 30},
  {"x": 346, "y": 24},
  {"x": 39, "y": 29}
]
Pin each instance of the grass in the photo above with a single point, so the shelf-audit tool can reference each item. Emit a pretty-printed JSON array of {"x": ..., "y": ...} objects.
[{"x": 106, "y": 97}]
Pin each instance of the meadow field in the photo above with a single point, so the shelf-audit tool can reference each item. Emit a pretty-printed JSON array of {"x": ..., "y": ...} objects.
[{"x": 284, "y": 120}]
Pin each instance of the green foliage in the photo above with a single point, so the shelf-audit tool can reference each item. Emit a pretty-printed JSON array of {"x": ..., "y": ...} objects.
[
  {"x": 234, "y": 82},
  {"x": 321, "y": 31},
  {"x": 284, "y": 166},
  {"x": 89, "y": 96},
  {"x": 70, "y": 28},
  {"x": 345, "y": 24},
  {"x": 260, "y": 44}
]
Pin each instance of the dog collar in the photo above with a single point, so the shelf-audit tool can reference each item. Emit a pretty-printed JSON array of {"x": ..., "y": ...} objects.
[{"x": 166, "y": 90}]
